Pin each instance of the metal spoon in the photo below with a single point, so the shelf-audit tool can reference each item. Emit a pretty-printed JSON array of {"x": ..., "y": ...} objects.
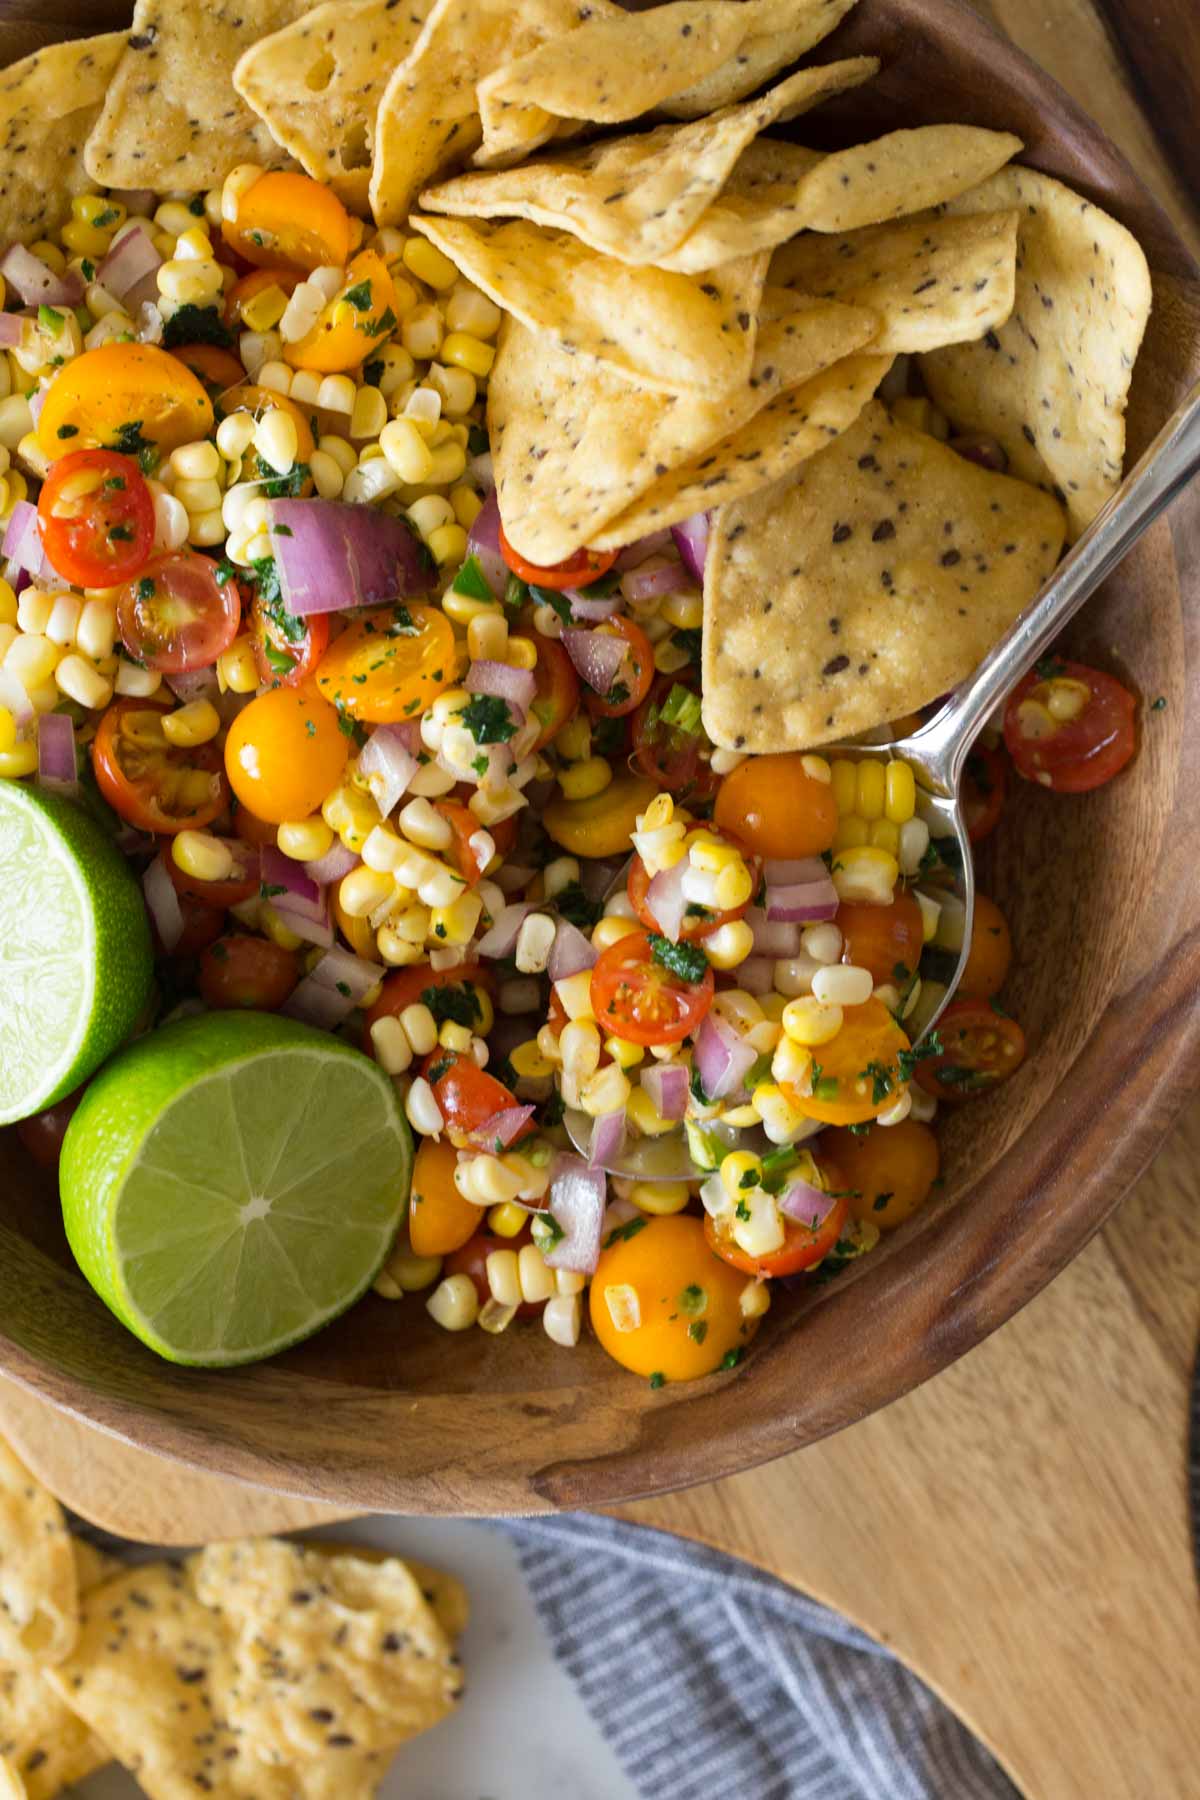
[{"x": 938, "y": 752}]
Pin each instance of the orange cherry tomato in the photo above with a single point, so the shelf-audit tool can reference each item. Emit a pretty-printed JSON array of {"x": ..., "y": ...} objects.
[
  {"x": 282, "y": 659},
  {"x": 285, "y": 752},
  {"x": 464, "y": 824},
  {"x": 149, "y": 782},
  {"x": 687, "y": 1299},
  {"x": 802, "y": 1248},
  {"x": 215, "y": 369},
  {"x": 354, "y": 323},
  {"x": 776, "y": 808},
  {"x": 696, "y": 925},
  {"x": 176, "y": 615},
  {"x": 245, "y": 971},
  {"x": 633, "y": 678},
  {"x": 97, "y": 518},
  {"x": 240, "y": 884},
  {"x": 578, "y": 571},
  {"x": 983, "y": 790},
  {"x": 123, "y": 397},
  {"x": 439, "y": 1219},
  {"x": 556, "y": 695},
  {"x": 290, "y": 219},
  {"x": 891, "y": 1171},
  {"x": 887, "y": 940},
  {"x": 248, "y": 287},
  {"x": 640, "y": 999},
  {"x": 990, "y": 954},
  {"x": 981, "y": 1048},
  {"x": 466, "y": 1094},
  {"x": 857, "y": 1075},
  {"x": 407, "y": 987},
  {"x": 390, "y": 664},
  {"x": 1079, "y": 753}
]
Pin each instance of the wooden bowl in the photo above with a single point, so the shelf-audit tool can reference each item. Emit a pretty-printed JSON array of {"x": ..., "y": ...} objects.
[{"x": 384, "y": 1411}]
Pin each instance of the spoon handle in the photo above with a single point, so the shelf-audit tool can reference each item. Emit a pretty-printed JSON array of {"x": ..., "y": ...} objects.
[{"x": 1167, "y": 466}]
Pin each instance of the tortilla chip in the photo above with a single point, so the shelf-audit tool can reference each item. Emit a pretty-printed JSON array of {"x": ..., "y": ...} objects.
[
  {"x": 861, "y": 587},
  {"x": 171, "y": 119},
  {"x": 428, "y": 118},
  {"x": 93, "y": 1567},
  {"x": 445, "y": 1594},
  {"x": 328, "y": 1649},
  {"x": 932, "y": 281},
  {"x": 48, "y": 103},
  {"x": 1052, "y": 383},
  {"x": 777, "y": 190},
  {"x": 42, "y": 1743},
  {"x": 790, "y": 429},
  {"x": 790, "y": 29},
  {"x": 38, "y": 1590},
  {"x": 636, "y": 197},
  {"x": 666, "y": 331},
  {"x": 573, "y": 445},
  {"x": 317, "y": 85}
]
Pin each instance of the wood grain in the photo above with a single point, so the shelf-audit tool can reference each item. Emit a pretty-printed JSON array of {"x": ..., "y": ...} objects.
[{"x": 1161, "y": 43}]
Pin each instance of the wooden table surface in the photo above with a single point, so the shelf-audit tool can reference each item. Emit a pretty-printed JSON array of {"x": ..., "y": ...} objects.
[{"x": 1017, "y": 1530}]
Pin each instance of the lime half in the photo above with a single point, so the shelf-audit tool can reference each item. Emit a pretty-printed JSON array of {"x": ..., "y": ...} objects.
[
  {"x": 75, "y": 957},
  {"x": 233, "y": 1182}
]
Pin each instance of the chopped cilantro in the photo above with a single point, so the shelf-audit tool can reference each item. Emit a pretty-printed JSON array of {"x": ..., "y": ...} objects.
[
  {"x": 196, "y": 206},
  {"x": 546, "y": 1231},
  {"x": 882, "y": 1082},
  {"x": 748, "y": 1180},
  {"x": 437, "y": 1070},
  {"x": 268, "y": 890},
  {"x": 457, "y": 1001},
  {"x": 381, "y": 326},
  {"x": 196, "y": 325},
  {"x": 954, "y": 1075},
  {"x": 741, "y": 1210},
  {"x": 51, "y": 320},
  {"x": 552, "y": 1112},
  {"x": 907, "y": 1060},
  {"x": 731, "y": 1359},
  {"x": 67, "y": 431},
  {"x": 687, "y": 961},
  {"x": 281, "y": 487},
  {"x": 343, "y": 988},
  {"x": 218, "y": 952},
  {"x": 698, "y": 1330},
  {"x": 516, "y": 592},
  {"x": 310, "y": 728},
  {"x": 129, "y": 441},
  {"x": 602, "y": 587},
  {"x": 351, "y": 728},
  {"x": 120, "y": 534},
  {"x": 573, "y": 904},
  {"x": 658, "y": 1379},
  {"x": 110, "y": 216},
  {"x": 1049, "y": 668},
  {"x": 617, "y": 694},
  {"x": 879, "y": 1204},
  {"x": 621, "y": 1234},
  {"x": 559, "y": 603},
  {"x": 689, "y": 639},
  {"x": 693, "y": 1300},
  {"x": 901, "y": 972},
  {"x": 478, "y": 442},
  {"x": 1159, "y": 705},
  {"x": 471, "y": 581},
  {"x": 146, "y": 588},
  {"x": 373, "y": 372},
  {"x": 359, "y": 297},
  {"x": 488, "y": 719},
  {"x": 265, "y": 574},
  {"x": 278, "y": 661},
  {"x": 403, "y": 624},
  {"x": 480, "y": 765},
  {"x": 88, "y": 268},
  {"x": 698, "y": 1090}
]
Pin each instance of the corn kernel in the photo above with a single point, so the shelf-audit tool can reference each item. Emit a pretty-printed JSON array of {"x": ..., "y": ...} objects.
[
  {"x": 276, "y": 440},
  {"x": 624, "y": 1308},
  {"x": 471, "y": 311},
  {"x": 80, "y": 680},
  {"x": 870, "y": 787},
  {"x": 755, "y": 1299},
  {"x": 575, "y": 994},
  {"x": 22, "y": 759},
  {"x": 659, "y": 1197},
  {"x": 33, "y": 610},
  {"x": 421, "y": 332},
  {"x": 810, "y": 1021},
  {"x": 623, "y": 1053},
  {"x": 729, "y": 945},
  {"x": 362, "y": 890},
  {"x": 427, "y": 263},
  {"x": 670, "y": 657},
  {"x": 428, "y": 515},
  {"x": 449, "y": 465},
  {"x": 901, "y": 792},
  {"x": 865, "y": 873},
  {"x": 611, "y": 930},
  {"x": 448, "y": 544},
  {"x": 133, "y": 682},
  {"x": 32, "y": 659},
  {"x": 574, "y": 741},
  {"x": 9, "y": 605},
  {"x": 455, "y": 923},
  {"x": 202, "y": 856},
  {"x": 686, "y": 611},
  {"x": 8, "y": 729},
  {"x": 454, "y": 1304},
  {"x": 83, "y": 239},
  {"x": 851, "y": 833},
  {"x": 368, "y": 415},
  {"x": 393, "y": 1052},
  {"x": 734, "y": 886},
  {"x": 606, "y": 1091},
  {"x": 643, "y": 1113},
  {"x": 196, "y": 723},
  {"x": 522, "y": 654},
  {"x": 305, "y": 840},
  {"x": 885, "y": 835},
  {"x": 562, "y": 1319},
  {"x": 845, "y": 784},
  {"x": 467, "y": 352}
]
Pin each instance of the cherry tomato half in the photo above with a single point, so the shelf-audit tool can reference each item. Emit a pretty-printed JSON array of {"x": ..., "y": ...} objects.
[
  {"x": 284, "y": 753},
  {"x": 640, "y": 999},
  {"x": 286, "y": 653},
  {"x": 578, "y": 571},
  {"x": 698, "y": 924},
  {"x": 358, "y": 318},
  {"x": 147, "y": 780},
  {"x": 985, "y": 782},
  {"x": 669, "y": 742},
  {"x": 887, "y": 940},
  {"x": 802, "y": 1246},
  {"x": 1077, "y": 753},
  {"x": 123, "y": 397},
  {"x": 201, "y": 925},
  {"x": 634, "y": 676},
  {"x": 176, "y": 615},
  {"x": 982, "y": 1048},
  {"x": 466, "y": 1094},
  {"x": 241, "y": 884},
  {"x": 390, "y": 664},
  {"x": 245, "y": 971},
  {"x": 857, "y": 1075},
  {"x": 291, "y": 219},
  {"x": 556, "y": 689},
  {"x": 97, "y": 518},
  {"x": 777, "y": 808},
  {"x": 407, "y": 987}
]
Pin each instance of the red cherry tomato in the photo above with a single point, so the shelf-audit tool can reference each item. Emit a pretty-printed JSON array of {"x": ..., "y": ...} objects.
[
  {"x": 673, "y": 754},
  {"x": 633, "y": 678},
  {"x": 287, "y": 649},
  {"x": 42, "y": 1133},
  {"x": 556, "y": 689},
  {"x": 201, "y": 925},
  {"x": 981, "y": 1048},
  {"x": 97, "y": 518},
  {"x": 471, "y": 1260},
  {"x": 640, "y": 999},
  {"x": 1075, "y": 754},
  {"x": 246, "y": 971},
  {"x": 464, "y": 824},
  {"x": 466, "y": 1094},
  {"x": 150, "y": 782},
  {"x": 177, "y": 616},
  {"x": 696, "y": 925},
  {"x": 802, "y": 1245},
  {"x": 241, "y": 884},
  {"x": 578, "y": 570},
  {"x": 985, "y": 784}
]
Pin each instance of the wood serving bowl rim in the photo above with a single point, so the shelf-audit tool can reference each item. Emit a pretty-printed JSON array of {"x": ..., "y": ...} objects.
[{"x": 934, "y": 1297}]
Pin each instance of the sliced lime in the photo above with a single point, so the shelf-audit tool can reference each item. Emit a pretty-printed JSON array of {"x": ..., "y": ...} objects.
[
  {"x": 233, "y": 1182},
  {"x": 75, "y": 957}
]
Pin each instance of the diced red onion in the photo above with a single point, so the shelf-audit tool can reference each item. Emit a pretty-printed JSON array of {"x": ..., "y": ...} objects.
[
  {"x": 804, "y": 903},
  {"x": 301, "y": 893},
  {"x": 163, "y": 904},
  {"x": 36, "y": 281},
  {"x": 130, "y": 260},
  {"x": 783, "y": 872},
  {"x": 757, "y": 975},
  {"x": 313, "y": 1002},
  {"x": 389, "y": 765},
  {"x": 516, "y": 686},
  {"x": 23, "y": 543},
  {"x": 340, "y": 969},
  {"x": 723, "y": 1056},
  {"x": 691, "y": 540},
  {"x": 483, "y": 542},
  {"x": 773, "y": 937},
  {"x": 57, "y": 766},
  {"x": 12, "y": 328},
  {"x": 650, "y": 579},
  {"x": 667, "y": 1085},
  {"x": 806, "y": 1203},
  {"x": 511, "y": 878},
  {"x": 409, "y": 733},
  {"x": 313, "y": 931},
  {"x": 15, "y": 698},
  {"x": 598, "y": 875},
  {"x": 503, "y": 1127},
  {"x": 194, "y": 684},
  {"x": 570, "y": 952},
  {"x": 577, "y": 1196},
  {"x": 36, "y": 402},
  {"x": 502, "y": 938},
  {"x": 636, "y": 553},
  {"x": 608, "y": 1139},
  {"x": 338, "y": 556},
  {"x": 149, "y": 323},
  {"x": 336, "y": 862},
  {"x": 592, "y": 610},
  {"x": 597, "y": 655},
  {"x": 667, "y": 901}
]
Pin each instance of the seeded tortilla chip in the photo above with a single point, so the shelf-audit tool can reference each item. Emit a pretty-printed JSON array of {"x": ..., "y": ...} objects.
[
  {"x": 48, "y": 103},
  {"x": 932, "y": 281},
  {"x": 573, "y": 446},
  {"x": 327, "y": 1648},
  {"x": 668, "y": 331},
  {"x": 1052, "y": 383},
  {"x": 788, "y": 430},
  {"x": 445, "y": 1594},
  {"x": 38, "y": 1587},
  {"x": 42, "y": 1743},
  {"x": 873, "y": 578},
  {"x": 428, "y": 118},
  {"x": 636, "y": 197},
  {"x": 786, "y": 34},
  {"x": 317, "y": 84},
  {"x": 171, "y": 119}
]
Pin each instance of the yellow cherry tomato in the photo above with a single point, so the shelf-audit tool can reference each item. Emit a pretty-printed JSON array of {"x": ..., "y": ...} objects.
[
  {"x": 776, "y": 808},
  {"x": 890, "y": 1171},
  {"x": 600, "y": 825},
  {"x": 289, "y": 218},
  {"x": 122, "y": 397},
  {"x": 686, "y": 1300},
  {"x": 285, "y": 752},
  {"x": 990, "y": 953},
  {"x": 390, "y": 664},
  {"x": 857, "y": 1075},
  {"x": 361, "y": 316},
  {"x": 439, "y": 1219}
]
